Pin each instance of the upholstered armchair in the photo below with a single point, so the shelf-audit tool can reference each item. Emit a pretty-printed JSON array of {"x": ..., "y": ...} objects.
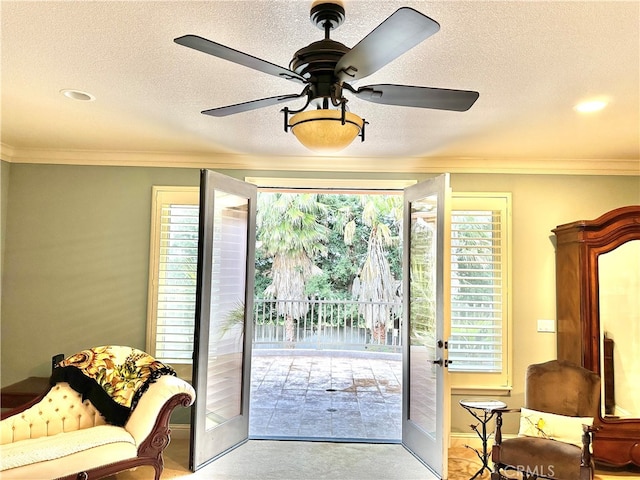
[
  {"x": 108, "y": 410},
  {"x": 561, "y": 402}
]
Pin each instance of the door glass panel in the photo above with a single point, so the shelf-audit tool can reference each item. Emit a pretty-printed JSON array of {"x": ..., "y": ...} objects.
[
  {"x": 226, "y": 333},
  {"x": 422, "y": 312}
]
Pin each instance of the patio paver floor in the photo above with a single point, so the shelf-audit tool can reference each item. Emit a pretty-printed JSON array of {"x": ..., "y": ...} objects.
[{"x": 326, "y": 395}]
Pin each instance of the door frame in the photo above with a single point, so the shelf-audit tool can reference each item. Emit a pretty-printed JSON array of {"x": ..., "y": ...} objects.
[{"x": 411, "y": 435}]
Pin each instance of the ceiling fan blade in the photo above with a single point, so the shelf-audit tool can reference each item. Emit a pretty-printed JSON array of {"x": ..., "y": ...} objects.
[
  {"x": 421, "y": 97},
  {"x": 251, "y": 105},
  {"x": 398, "y": 34},
  {"x": 235, "y": 56}
]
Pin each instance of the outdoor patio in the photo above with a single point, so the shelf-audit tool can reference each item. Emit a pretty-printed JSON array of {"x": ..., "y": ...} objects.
[{"x": 323, "y": 394}]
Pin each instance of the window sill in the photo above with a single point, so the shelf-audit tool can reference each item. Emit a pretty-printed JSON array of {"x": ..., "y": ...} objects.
[{"x": 482, "y": 390}]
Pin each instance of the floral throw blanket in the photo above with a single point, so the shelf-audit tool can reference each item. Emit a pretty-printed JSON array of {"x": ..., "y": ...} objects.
[{"x": 113, "y": 378}]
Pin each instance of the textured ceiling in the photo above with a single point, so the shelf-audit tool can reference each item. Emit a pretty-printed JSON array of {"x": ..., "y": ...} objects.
[{"x": 531, "y": 61}]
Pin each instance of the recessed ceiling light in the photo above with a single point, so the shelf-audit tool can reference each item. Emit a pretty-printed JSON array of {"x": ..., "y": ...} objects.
[
  {"x": 78, "y": 95},
  {"x": 589, "y": 106}
]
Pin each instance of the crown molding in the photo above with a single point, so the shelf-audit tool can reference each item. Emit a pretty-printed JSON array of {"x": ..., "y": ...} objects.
[{"x": 538, "y": 166}]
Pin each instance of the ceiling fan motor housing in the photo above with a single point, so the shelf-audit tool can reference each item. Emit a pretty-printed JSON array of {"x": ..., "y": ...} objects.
[
  {"x": 318, "y": 58},
  {"x": 317, "y": 61}
]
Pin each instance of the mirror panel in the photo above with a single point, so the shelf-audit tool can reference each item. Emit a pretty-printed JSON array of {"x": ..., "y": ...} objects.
[{"x": 619, "y": 300}]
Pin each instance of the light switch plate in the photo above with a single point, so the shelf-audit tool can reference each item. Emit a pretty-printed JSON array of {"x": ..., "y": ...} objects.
[{"x": 546, "y": 325}]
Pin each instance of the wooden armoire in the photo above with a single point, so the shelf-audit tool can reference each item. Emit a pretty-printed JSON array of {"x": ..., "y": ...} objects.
[{"x": 580, "y": 338}]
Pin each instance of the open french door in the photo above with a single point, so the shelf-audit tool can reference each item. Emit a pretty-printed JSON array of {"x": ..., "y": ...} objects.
[
  {"x": 426, "y": 398},
  {"x": 224, "y": 306}
]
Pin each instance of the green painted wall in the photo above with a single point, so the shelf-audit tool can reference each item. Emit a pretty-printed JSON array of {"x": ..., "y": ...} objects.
[
  {"x": 76, "y": 261},
  {"x": 76, "y": 244}
]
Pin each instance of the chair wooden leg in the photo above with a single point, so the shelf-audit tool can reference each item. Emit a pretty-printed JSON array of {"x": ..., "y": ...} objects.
[
  {"x": 586, "y": 463},
  {"x": 496, "y": 475},
  {"x": 586, "y": 473}
]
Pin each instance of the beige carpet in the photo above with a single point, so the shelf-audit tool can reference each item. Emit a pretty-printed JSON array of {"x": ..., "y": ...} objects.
[{"x": 259, "y": 459}]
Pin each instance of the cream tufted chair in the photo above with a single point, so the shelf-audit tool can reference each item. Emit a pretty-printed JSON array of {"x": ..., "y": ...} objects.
[
  {"x": 60, "y": 436},
  {"x": 61, "y": 410}
]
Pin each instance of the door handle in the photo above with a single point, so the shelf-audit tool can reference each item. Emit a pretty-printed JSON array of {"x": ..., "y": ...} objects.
[{"x": 439, "y": 361}]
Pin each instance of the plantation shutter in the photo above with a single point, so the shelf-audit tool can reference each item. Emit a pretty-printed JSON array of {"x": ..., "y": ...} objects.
[
  {"x": 174, "y": 277},
  {"x": 478, "y": 291}
]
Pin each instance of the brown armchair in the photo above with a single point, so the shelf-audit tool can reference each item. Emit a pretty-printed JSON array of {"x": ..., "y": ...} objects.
[{"x": 565, "y": 391}]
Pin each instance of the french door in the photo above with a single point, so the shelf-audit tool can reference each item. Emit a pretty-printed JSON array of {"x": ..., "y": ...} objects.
[
  {"x": 426, "y": 392},
  {"x": 224, "y": 322}
]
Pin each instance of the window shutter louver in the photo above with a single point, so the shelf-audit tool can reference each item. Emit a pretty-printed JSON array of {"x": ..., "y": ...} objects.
[
  {"x": 176, "y": 283},
  {"x": 477, "y": 291}
]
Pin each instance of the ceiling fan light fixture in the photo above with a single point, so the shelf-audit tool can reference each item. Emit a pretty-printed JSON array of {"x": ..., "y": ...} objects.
[{"x": 324, "y": 130}]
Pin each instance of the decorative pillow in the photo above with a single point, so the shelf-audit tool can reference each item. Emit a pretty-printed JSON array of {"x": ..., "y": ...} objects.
[
  {"x": 112, "y": 377},
  {"x": 555, "y": 427}
]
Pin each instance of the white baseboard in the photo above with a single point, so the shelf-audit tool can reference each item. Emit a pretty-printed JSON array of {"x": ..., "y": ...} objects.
[
  {"x": 461, "y": 439},
  {"x": 181, "y": 431}
]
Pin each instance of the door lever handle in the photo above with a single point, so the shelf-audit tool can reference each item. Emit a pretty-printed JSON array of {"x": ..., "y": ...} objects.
[{"x": 439, "y": 361}]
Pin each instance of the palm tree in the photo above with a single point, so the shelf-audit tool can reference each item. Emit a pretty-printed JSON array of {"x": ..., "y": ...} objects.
[
  {"x": 292, "y": 235},
  {"x": 382, "y": 214}
]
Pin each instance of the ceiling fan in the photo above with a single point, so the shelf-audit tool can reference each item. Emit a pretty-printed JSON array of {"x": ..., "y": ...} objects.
[{"x": 327, "y": 68}]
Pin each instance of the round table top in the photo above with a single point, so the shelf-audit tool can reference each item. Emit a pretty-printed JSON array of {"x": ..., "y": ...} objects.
[{"x": 483, "y": 403}]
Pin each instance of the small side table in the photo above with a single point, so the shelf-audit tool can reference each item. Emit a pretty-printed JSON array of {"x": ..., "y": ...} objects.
[{"x": 482, "y": 410}]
